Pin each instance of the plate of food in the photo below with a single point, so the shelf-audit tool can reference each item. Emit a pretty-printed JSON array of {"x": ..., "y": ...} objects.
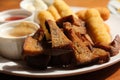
[{"x": 69, "y": 42}]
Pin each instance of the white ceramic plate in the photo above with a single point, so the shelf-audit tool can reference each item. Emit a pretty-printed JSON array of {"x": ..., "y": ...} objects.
[
  {"x": 15, "y": 68},
  {"x": 114, "y": 7}
]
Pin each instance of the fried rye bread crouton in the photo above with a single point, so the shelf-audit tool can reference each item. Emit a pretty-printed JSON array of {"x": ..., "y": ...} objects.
[
  {"x": 113, "y": 47},
  {"x": 78, "y": 26},
  {"x": 60, "y": 42},
  {"x": 33, "y": 54},
  {"x": 102, "y": 55},
  {"x": 83, "y": 55},
  {"x": 71, "y": 19}
]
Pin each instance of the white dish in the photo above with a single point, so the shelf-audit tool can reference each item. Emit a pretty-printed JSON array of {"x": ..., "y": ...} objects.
[
  {"x": 15, "y": 68},
  {"x": 11, "y": 44},
  {"x": 15, "y": 15},
  {"x": 33, "y": 5},
  {"x": 114, "y": 7}
]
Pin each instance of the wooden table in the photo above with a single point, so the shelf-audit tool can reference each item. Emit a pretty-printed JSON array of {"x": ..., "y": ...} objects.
[
  {"x": 10, "y": 4},
  {"x": 109, "y": 73}
]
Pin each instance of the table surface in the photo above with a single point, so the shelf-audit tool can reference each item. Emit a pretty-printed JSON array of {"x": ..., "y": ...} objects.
[{"x": 109, "y": 73}]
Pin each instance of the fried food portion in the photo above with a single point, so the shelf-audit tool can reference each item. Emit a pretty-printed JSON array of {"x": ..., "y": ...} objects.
[
  {"x": 81, "y": 14},
  {"x": 65, "y": 40},
  {"x": 39, "y": 35},
  {"x": 70, "y": 19},
  {"x": 107, "y": 27},
  {"x": 103, "y": 56},
  {"x": 115, "y": 45},
  {"x": 33, "y": 53},
  {"x": 79, "y": 30},
  {"x": 63, "y": 8},
  {"x": 96, "y": 28},
  {"x": 83, "y": 54},
  {"x": 43, "y": 16},
  {"x": 104, "y": 13},
  {"x": 32, "y": 46},
  {"x": 78, "y": 26},
  {"x": 52, "y": 9},
  {"x": 61, "y": 42}
]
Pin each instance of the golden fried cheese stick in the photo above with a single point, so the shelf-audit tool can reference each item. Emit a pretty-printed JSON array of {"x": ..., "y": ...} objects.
[
  {"x": 107, "y": 27},
  {"x": 104, "y": 13},
  {"x": 81, "y": 14},
  {"x": 63, "y": 8},
  {"x": 54, "y": 12},
  {"x": 43, "y": 16},
  {"x": 96, "y": 27}
]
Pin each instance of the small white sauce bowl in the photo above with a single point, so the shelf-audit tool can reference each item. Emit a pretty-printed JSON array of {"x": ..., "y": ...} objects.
[
  {"x": 11, "y": 47},
  {"x": 29, "y": 16},
  {"x": 33, "y": 5}
]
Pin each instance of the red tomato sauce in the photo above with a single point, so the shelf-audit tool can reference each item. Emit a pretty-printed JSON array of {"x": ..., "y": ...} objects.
[{"x": 12, "y": 18}]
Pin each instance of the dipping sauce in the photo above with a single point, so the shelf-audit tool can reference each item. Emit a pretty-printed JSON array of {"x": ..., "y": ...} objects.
[
  {"x": 22, "y": 29},
  {"x": 15, "y": 15},
  {"x": 12, "y": 18}
]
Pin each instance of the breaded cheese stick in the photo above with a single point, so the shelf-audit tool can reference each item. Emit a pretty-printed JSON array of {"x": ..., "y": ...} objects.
[
  {"x": 96, "y": 27},
  {"x": 63, "y": 8},
  {"x": 107, "y": 27},
  {"x": 81, "y": 14},
  {"x": 54, "y": 12},
  {"x": 104, "y": 13},
  {"x": 43, "y": 16},
  {"x": 104, "y": 16}
]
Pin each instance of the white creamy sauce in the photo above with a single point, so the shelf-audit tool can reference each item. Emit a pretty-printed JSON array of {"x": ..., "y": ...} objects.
[
  {"x": 6, "y": 32},
  {"x": 20, "y": 30}
]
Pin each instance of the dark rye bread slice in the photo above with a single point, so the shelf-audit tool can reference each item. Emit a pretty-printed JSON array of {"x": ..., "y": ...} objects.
[
  {"x": 32, "y": 46},
  {"x": 83, "y": 55},
  {"x": 39, "y": 35},
  {"x": 33, "y": 54},
  {"x": 58, "y": 38},
  {"x": 71, "y": 19},
  {"x": 60, "y": 41},
  {"x": 78, "y": 26},
  {"x": 102, "y": 55},
  {"x": 113, "y": 48},
  {"x": 81, "y": 32}
]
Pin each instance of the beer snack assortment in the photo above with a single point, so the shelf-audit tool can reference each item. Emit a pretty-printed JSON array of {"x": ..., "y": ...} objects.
[{"x": 68, "y": 39}]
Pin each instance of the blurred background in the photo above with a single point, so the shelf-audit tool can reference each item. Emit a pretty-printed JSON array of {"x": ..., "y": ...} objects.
[
  {"x": 9, "y": 4},
  {"x": 113, "y": 5}
]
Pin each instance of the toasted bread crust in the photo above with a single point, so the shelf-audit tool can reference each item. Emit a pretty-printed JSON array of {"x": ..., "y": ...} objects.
[{"x": 31, "y": 46}]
